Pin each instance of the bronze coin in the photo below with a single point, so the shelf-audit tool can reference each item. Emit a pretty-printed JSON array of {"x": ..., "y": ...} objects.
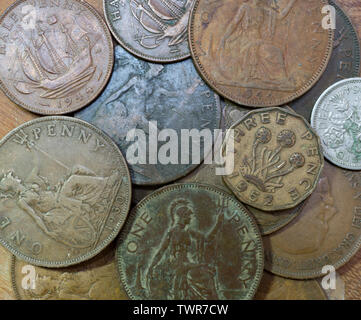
[
  {"x": 184, "y": 237},
  {"x": 154, "y": 99},
  {"x": 277, "y": 159},
  {"x": 344, "y": 63},
  {"x": 58, "y": 55},
  {"x": 65, "y": 191},
  {"x": 96, "y": 279},
  {"x": 273, "y": 287},
  {"x": 327, "y": 231},
  {"x": 155, "y": 30},
  {"x": 260, "y": 53}
]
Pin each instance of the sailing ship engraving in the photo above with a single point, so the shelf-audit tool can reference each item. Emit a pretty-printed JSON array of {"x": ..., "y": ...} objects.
[
  {"x": 51, "y": 59},
  {"x": 162, "y": 19}
]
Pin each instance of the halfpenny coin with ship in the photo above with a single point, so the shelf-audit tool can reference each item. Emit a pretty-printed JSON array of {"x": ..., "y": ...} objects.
[
  {"x": 65, "y": 191},
  {"x": 327, "y": 231},
  {"x": 260, "y": 53},
  {"x": 155, "y": 30},
  {"x": 57, "y": 56},
  {"x": 277, "y": 159},
  {"x": 190, "y": 241}
]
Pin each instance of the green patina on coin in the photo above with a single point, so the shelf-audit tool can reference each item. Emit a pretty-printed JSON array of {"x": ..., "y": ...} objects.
[{"x": 190, "y": 241}]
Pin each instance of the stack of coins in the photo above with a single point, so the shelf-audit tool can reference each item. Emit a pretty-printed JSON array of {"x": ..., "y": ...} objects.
[{"x": 179, "y": 149}]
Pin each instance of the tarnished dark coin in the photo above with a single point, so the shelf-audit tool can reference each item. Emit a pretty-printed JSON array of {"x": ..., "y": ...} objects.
[
  {"x": 58, "y": 55},
  {"x": 273, "y": 287},
  {"x": 190, "y": 241},
  {"x": 155, "y": 30},
  {"x": 152, "y": 97},
  {"x": 65, "y": 191},
  {"x": 344, "y": 63},
  {"x": 268, "y": 222},
  {"x": 277, "y": 159},
  {"x": 327, "y": 231},
  {"x": 336, "y": 118},
  {"x": 260, "y": 53},
  {"x": 96, "y": 279}
]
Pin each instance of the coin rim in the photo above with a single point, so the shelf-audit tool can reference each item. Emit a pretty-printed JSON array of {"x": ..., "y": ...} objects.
[
  {"x": 188, "y": 186},
  {"x": 309, "y": 128},
  {"x": 116, "y": 228},
  {"x": 39, "y": 111},
  {"x": 272, "y": 103},
  {"x": 314, "y": 121},
  {"x": 136, "y": 52},
  {"x": 305, "y": 275}
]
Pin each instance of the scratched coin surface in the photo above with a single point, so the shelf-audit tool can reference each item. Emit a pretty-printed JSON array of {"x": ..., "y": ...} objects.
[
  {"x": 277, "y": 159},
  {"x": 260, "y": 53},
  {"x": 190, "y": 241},
  {"x": 155, "y": 30},
  {"x": 344, "y": 63},
  {"x": 336, "y": 118},
  {"x": 96, "y": 279},
  {"x": 273, "y": 287},
  {"x": 65, "y": 191},
  {"x": 152, "y": 97},
  {"x": 327, "y": 231},
  {"x": 58, "y": 55}
]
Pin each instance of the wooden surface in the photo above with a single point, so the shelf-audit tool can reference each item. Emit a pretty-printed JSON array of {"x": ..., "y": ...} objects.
[{"x": 12, "y": 116}]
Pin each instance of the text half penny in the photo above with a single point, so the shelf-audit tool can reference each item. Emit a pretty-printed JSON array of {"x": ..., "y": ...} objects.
[{"x": 58, "y": 55}]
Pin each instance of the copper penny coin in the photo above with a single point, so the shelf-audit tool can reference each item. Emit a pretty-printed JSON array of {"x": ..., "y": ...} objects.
[
  {"x": 344, "y": 63},
  {"x": 184, "y": 237},
  {"x": 273, "y": 287},
  {"x": 150, "y": 99},
  {"x": 155, "y": 30},
  {"x": 58, "y": 55},
  {"x": 277, "y": 159},
  {"x": 95, "y": 279},
  {"x": 65, "y": 191},
  {"x": 260, "y": 53},
  {"x": 327, "y": 231}
]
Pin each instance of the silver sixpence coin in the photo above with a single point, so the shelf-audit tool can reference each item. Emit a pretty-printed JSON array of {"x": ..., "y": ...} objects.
[{"x": 336, "y": 118}]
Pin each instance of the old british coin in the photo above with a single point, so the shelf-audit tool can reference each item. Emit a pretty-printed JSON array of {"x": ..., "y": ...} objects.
[
  {"x": 155, "y": 30},
  {"x": 95, "y": 279},
  {"x": 260, "y": 53},
  {"x": 152, "y": 97},
  {"x": 327, "y": 231},
  {"x": 190, "y": 241},
  {"x": 344, "y": 63},
  {"x": 58, "y": 55},
  {"x": 277, "y": 159},
  {"x": 273, "y": 287},
  {"x": 65, "y": 191},
  {"x": 336, "y": 118}
]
